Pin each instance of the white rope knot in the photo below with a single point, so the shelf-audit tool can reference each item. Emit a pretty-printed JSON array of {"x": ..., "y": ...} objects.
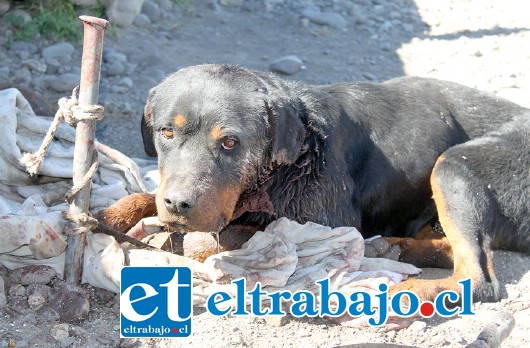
[
  {"x": 84, "y": 223},
  {"x": 71, "y": 112}
]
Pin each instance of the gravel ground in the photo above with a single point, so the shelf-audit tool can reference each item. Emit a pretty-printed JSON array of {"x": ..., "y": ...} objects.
[{"x": 479, "y": 43}]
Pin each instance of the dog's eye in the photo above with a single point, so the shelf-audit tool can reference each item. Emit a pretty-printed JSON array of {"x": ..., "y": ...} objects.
[
  {"x": 228, "y": 144},
  {"x": 167, "y": 133}
]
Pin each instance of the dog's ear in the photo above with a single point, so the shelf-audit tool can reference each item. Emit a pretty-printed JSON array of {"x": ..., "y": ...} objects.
[
  {"x": 148, "y": 132},
  {"x": 286, "y": 130}
]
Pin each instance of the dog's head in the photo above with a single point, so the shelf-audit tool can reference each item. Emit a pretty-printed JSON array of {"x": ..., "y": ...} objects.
[{"x": 213, "y": 128}]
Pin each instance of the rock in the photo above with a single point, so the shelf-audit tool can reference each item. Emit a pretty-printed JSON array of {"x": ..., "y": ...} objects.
[
  {"x": 142, "y": 21},
  {"x": 115, "y": 68},
  {"x": 4, "y": 73},
  {"x": 118, "y": 89},
  {"x": 17, "y": 290},
  {"x": 4, "y": 7},
  {"x": 287, "y": 65},
  {"x": 35, "y": 65},
  {"x": 125, "y": 82},
  {"x": 71, "y": 303},
  {"x": 123, "y": 12},
  {"x": 22, "y": 75},
  {"x": 110, "y": 56},
  {"x": 368, "y": 76},
  {"x": 19, "y": 304},
  {"x": 418, "y": 326},
  {"x": 166, "y": 4},
  {"x": 58, "y": 54},
  {"x": 380, "y": 245},
  {"x": 151, "y": 10},
  {"x": 38, "y": 295},
  {"x": 60, "y": 331},
  {"x": 232, "y": 3},
  {"x": 23, "y": 55},
  {"x": 393, "y": 253},
  {"x": 3, "y": 298},
  {"x": 24, "y": 46},
  {"x": 105, "y": 295},
  {"x": 35, "y": 274},
  {"x": 65, "y": 82},
  {"x": 160, "y": 240},
  {"x": 155, "y": 73},
  {"x": 20, "y": 17},
  {"x": 276, "y": 320},
  {"x": 369, "y": 251},
  {"x": 331, "y": 19}
]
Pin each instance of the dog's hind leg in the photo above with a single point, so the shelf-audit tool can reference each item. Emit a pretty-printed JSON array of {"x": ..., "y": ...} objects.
[{"x": 481, "y": 190}]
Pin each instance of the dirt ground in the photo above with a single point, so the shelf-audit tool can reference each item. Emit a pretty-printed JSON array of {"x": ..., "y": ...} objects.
[{"x": 479, "y": 43}]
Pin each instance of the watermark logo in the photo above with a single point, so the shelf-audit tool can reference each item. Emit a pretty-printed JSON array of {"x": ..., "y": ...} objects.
[
  {"x": 375, "y": 307},
  {"x": 156, "y": 302}
]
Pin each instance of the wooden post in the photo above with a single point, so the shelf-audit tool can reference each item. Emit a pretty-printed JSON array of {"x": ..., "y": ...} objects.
[{"x": 94, "y": 29}]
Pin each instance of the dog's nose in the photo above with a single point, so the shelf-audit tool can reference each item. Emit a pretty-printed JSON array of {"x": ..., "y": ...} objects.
[{"x": 177, "y": 204}]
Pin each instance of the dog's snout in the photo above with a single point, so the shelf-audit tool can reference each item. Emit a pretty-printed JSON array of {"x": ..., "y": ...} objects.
[{"x": 177, "y": 203}]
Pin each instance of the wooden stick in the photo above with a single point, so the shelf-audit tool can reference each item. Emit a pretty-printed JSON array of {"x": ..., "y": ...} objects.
[{"x": 84, "y": 138}]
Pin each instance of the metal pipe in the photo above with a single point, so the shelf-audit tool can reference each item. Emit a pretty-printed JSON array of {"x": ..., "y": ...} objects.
[{"x": 94, "y": 29}]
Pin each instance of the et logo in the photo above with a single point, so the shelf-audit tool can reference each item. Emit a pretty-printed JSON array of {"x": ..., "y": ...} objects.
[{"x": 155, "y": 302}]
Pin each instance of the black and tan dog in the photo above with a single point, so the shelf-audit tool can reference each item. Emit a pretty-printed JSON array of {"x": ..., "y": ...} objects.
[{"x": 242, "y": 147}]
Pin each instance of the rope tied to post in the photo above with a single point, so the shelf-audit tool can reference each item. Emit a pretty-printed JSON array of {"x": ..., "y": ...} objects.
[{"x": 71, "y": 112}]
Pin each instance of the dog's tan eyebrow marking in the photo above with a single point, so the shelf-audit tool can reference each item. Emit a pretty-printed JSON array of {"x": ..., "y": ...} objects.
[
  {"x": 217, "y": 132},
  {"x": 179, "y": 120}
]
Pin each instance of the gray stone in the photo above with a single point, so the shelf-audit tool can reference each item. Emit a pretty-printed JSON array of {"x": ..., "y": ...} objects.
[
  {"x": 368, "y": 76},
  {"x": 380, "y": 245},
  {"x": 232, "y": 3},
  {"x": 155, "y": 73},
  {"x": 4, "y": 7},
  {"x": 417, "y": 326},
  {"x": 35, "y": 65},
  {"x": 23, "y": 55},
  {"x": 123, "y": 12},
  {"x": 287, "y": 65},
  {"x": 17, "y": 290},
  {"x": 151, "y": 10},
  {"x": 4, "y": 73},
  {"x": 115, "y": 68},
  {"x": 21, "y": 17},
  {"x": 22, "y": 75},
  {"x": 65, "y": 82},
  {"x": 19, "y": 304},
  {"x": 369, "y": 251},
  {"x": 393, "y": 253},
  {"x": 3, "y": 298},
  {"x": 60, "y": 331},
  {"x": 142, "y": 21},
  {"x": 166, "y": 4},
  {"x": 119, "y": 89},
  {"x": 34, "y": 274},
  {"x": 58, "y": 54},
  {"x": 105, "y": 295},
  {"x": 71, "y": 303},
  {"x": 125, "y": 82},
  {"x": 331, "y": 19},
  {"x": 113, "y": 56},
  {"x": 38, "y": 295},
  {"x": 23, "y": 46}
]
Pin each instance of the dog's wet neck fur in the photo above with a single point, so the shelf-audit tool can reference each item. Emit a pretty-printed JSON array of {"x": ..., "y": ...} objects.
[{"x": 282, "y": 182}]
